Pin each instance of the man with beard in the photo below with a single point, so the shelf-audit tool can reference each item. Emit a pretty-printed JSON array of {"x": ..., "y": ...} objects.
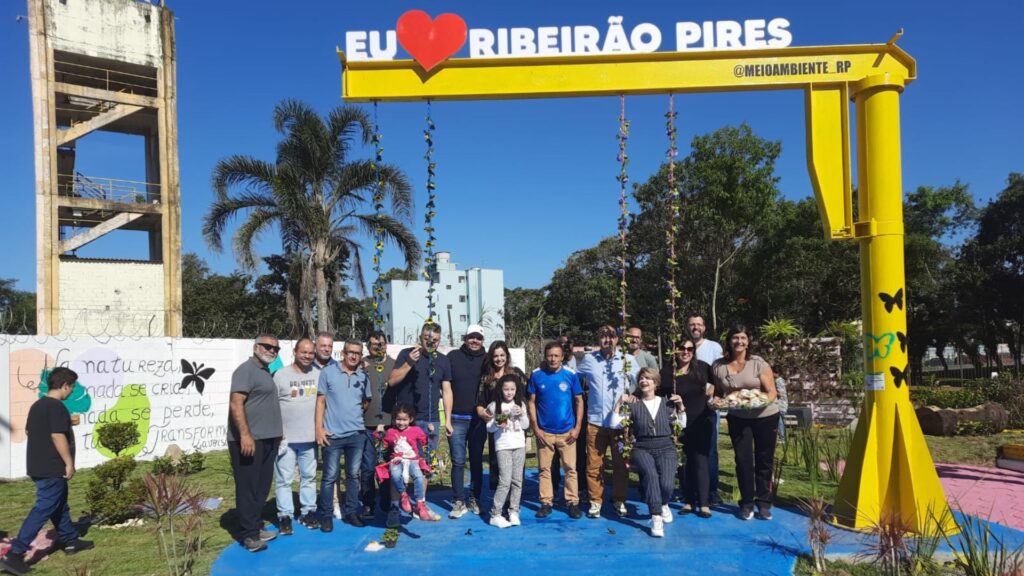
[
  {"x": 463, "y": 425},
  {"x": 254, "y": 433}
]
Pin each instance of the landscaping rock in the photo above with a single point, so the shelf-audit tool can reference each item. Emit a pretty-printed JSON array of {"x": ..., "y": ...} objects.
[
  {"x": 175, "y": 453},
  {"x": 937, "y": 421}
]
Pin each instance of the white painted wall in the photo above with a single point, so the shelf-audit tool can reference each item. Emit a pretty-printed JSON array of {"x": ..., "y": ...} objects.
[
  {"x": 106, "y": 367},
  {"x": 124, "y": 30},
  {"x": 102, "y": 298}
]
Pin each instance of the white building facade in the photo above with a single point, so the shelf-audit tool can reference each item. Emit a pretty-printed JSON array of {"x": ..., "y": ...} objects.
[{"x": 461, "y": 298}]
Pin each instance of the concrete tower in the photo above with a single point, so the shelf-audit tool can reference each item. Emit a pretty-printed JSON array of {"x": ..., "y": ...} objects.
[{"x": 105, "y": 65}]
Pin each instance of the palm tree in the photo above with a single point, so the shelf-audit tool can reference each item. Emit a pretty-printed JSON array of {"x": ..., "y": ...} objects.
[{"x": 319, "y": 201}]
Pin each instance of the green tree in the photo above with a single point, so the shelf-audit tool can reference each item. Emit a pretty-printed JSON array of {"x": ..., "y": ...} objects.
[
  {"x": 794, "y": 272},
  {"x": 729, "y": 196},
  {"x": 584, "y": 294},
  {"x": 998, "y": 250},
  {"x": 17, "y": 308},
  {"x": 524, "y": 315},
  {"x": 934, "y": 219},
  {"x": 316, "y": 197}
]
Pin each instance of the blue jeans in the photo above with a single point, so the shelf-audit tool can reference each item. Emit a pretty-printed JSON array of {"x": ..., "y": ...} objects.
[
  {"x": 284, "y": 472},
  {"x": 473, "y": 432},
  {"x": 418, "y": 484},
  {"x": 51, "y": 504},
  {"x": 713, "y": 459},
  {"x": 352, "y": 448}
]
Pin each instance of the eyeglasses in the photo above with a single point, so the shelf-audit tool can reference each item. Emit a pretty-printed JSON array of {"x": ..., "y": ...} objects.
[
  {"x": 354, "y": 352},
  {"x": 474, "y": 337},
  {"x": 269, "y": 347},
  {"x": 689, "y": 349}
]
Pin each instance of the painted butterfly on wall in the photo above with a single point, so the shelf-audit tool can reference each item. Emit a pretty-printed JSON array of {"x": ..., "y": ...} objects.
[
  {"x": 896, "y": 299},
  {"x": 903, "y": 341},
  {"x": 195, "y": 374},
  {"x": 899, "y": 377}
]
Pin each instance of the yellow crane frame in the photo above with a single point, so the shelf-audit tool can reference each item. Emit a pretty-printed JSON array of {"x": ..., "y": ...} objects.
[{"x": 889, "y": 470}]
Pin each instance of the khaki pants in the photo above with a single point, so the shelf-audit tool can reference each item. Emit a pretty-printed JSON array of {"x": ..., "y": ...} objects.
[
  {"x": 599, "y": 439},
  {"x": 567, "y": 453}
]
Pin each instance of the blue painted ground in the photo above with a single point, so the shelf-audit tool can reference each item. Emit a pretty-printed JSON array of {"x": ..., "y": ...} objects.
[{"x": 555, "y": 545}]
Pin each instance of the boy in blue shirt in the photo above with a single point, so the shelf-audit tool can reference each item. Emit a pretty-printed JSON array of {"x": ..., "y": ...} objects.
[{"x": 556, "y": 413}]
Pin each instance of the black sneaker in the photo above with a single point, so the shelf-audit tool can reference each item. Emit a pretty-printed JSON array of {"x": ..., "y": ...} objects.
[
  {"x": 544, "y": 512},
  {"x": 327, "y": 524},
  {"x": 764, "y": 511},
  {"x": 353, "y": 519},
  {"x": 309, "y": 520},
  {"x": 15, "y": 564},
  {"x": 284, "y": 525},
  {"x": 367, "y": 512},
  {"x": 76, "y": 546},
  {"x": 746, "y": 512},
  {"x": 574, "y": 511},
  {"x": 254, "y": 544},
  {"x": 267, "y": 535},
  {"x": 716, "y": 499}
]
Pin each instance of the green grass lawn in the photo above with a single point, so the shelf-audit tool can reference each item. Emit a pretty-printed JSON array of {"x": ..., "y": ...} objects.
[{"x": 134, "y": 551}]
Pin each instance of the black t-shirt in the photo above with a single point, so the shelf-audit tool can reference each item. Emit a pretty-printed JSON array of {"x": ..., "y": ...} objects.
[
  {"x": 47, "y": 416},
  {"x": 692, "y": 386},
  {"x": 466, "y": 368}
]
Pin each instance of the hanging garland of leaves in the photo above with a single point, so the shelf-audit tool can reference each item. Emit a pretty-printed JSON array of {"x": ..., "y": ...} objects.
[
  {"x": 672, "y": 229},
  {"x": 623, "y": 178},
  {"x": 430, "y": 269},
  {"x": 378, "y": 229},
  {"x": 430, "y": 261}
]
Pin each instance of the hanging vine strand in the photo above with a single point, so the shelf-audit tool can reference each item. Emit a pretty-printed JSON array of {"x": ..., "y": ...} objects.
[
  {"x": 671, "y": 231},
  {"x": 378, "y": 229},
  {"x": 623, "y": 178},
  {"x": 430, "y": 274}
]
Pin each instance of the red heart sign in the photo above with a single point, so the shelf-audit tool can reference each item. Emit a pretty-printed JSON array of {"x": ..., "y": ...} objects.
[{"x": 430, "y": 42}]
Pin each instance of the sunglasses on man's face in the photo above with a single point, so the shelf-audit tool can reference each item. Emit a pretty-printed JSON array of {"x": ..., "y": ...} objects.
[{"x": 269, "y": 347}]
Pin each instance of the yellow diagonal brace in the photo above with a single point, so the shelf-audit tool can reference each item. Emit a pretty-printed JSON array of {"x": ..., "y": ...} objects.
[
  {"x": 602, "y": 74},
  {"x": 828, "y": 157}
]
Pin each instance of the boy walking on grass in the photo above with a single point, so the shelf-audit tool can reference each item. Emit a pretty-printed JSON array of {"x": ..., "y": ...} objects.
[{"x": 51, "y": 465}]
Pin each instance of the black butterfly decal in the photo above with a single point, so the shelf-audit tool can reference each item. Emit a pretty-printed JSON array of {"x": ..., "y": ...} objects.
[
  {"x": 888, "y": 301},
  {"x": 899, "y": 377},
  {"x": 195, "y": 374},
  {"x": 903, "y": 341}
]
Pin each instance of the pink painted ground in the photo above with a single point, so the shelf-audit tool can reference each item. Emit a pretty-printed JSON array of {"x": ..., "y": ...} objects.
[{"x": 989, "y": 493}]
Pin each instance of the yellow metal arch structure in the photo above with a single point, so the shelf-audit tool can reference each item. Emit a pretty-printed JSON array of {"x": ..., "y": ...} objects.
[{"x": 889, "y": 470}]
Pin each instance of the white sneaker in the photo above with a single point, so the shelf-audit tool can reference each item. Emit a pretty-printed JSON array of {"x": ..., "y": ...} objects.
[
  {"x": 595, "y": 510},
  {"x": 499, "y": 521},
  {"x": 666, "y": 514},
  {"x": 337, "y": 512},
  {"x": 620, "y": 508},
  {"x": 513, "y": 518},
  {"x": 657, "y": 527}
]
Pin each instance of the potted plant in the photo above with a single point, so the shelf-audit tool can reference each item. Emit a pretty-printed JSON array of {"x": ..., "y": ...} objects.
[{"x": 390, "y": 537}]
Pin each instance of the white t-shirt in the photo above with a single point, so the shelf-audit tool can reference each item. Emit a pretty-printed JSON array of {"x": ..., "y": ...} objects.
[{"x": 513, "y": 435}]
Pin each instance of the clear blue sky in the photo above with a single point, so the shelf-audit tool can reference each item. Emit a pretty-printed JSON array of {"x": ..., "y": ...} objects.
[{"x": 523, "y": 184}]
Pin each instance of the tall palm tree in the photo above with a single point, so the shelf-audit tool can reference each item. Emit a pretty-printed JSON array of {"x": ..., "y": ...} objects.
[{"x": 318, "y": 199}]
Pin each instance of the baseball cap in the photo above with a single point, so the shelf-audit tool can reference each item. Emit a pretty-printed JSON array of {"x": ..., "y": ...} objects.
[{"x": 475, "y": 329}]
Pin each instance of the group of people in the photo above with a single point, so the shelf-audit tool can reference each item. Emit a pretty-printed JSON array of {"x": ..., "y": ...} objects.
[{"x": 381, "y": 416}]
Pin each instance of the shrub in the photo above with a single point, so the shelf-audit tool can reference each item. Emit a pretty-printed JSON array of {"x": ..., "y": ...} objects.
[
  {"x": 114, "y": 496},
  {"x": 188, "y": 464},
  {"x": 118, "y": 436},
  {"x": 947, "y": 397},
  {"x": 1006, "y": 390}
]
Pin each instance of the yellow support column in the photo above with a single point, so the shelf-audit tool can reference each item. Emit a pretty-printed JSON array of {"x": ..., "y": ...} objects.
[{"x": 889, "y": 471}]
